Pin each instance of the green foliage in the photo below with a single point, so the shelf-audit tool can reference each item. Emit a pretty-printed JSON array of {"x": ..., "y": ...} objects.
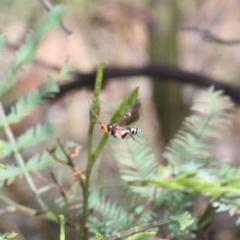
[
  {"x": 37, "y": 162},
  {"x": 195, "y": 140},
  {"x": 26, "y": 52},
  {"x": 7, "y": 236},
  {"x": 99, "y": 236},
  {"x": 31, "y": 137},
  {"x": 114, "y": 218},
  {"x": 26, "y": 104},
  {"x": 184, "y": 220},
  {"x": 189, "y": 152},
  {"x": 137, "y": 163}
]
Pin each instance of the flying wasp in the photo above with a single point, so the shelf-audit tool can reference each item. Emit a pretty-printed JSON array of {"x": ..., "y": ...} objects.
[{"x": 119, "y": 129}]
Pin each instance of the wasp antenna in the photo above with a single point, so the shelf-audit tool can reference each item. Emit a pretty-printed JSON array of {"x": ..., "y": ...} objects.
[{"x": 92, "y": 109}]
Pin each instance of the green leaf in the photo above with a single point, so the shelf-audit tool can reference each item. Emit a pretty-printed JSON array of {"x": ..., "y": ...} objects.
[
  {"x": 2, "y": 166},
  {"x": 27, "y": 51},
  {"x": 141, "y": 234},
  {"x": 125, "y": 105},
  {"x": 37, "y": 162},
  {"x": 184, "y": 220},
  {"x": 31, "y": 137},
  {"x": 34, "y": 135},
  {"x": 116, "y": 216},
  {"x": 95, "y": 108},
  {"x": 7, "y": 236},
  {"x": 66, "y": 72},
  {"x": 135, "y": 160},
  {"x": 99, "y": 79},
  {"x": 27, "y": 103},
  {"x": 197, "y": 137},
  {"x": 99, "y": 236}
]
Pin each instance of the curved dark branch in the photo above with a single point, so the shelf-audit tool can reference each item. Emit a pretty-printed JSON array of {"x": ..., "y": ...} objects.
[{"x": 157, "y": 72}]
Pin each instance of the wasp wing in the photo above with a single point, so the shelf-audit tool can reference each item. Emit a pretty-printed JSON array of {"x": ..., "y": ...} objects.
[{"x": 130, "y": 116}]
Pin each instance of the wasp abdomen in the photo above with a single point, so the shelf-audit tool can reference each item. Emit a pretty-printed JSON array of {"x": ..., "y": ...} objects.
[
  {"x": 130, "y": 131},
  {"x": 134, "y": 130}
]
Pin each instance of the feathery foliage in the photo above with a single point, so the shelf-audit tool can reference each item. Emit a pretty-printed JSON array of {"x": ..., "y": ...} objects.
[
  {"x": 114, "y": 218},
  {"x": 37, "y": 162},
  {"x": 27, "y": 51},
  {"x": 196, "y": 139},
  {"x": 189, "y": 152},
  {"x": 23, "y": 107},
  {"x": 26, "y": 104},
  {"x": 137, "y": 163},
  {"x": 30, "y": 138}
]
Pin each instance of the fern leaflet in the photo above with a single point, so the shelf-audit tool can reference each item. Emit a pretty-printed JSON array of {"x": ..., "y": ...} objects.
[
  {"x": 37, "y": 162},
  {"x": 195, "y": 140},
  {"x": 27, "y": 103},
  {"x": 31, "y": 137}
]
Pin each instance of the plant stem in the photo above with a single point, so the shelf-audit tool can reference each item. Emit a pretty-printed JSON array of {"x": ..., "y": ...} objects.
[
  {"x": 21, "y": 162},
  {"x": 16, "y": 207}
]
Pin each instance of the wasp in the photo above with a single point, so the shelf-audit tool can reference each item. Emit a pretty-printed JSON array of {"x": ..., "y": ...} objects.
[{"x": 119, "y": 129}]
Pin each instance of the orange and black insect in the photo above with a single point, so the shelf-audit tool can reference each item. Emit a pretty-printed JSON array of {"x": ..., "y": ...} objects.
[{"x": 118, "y": 129}]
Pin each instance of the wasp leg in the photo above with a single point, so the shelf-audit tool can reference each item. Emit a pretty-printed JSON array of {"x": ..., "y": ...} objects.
[{"x": 134, "y": 138}]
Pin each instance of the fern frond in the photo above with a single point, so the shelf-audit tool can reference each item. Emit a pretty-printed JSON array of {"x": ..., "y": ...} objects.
[
  {"x": 116, "y": 218},
  {"x": 196, "y": 139},
  {"x": 136, "y": 163},
  {"x": 34, "y": 135},
  {"x": 27, "y": 103},
  {"x": 26, "y": 52},
  {"x": 37, "y": 162},
  {"x": 29, "y": 138},
  {"x": 66, "y": 72}
]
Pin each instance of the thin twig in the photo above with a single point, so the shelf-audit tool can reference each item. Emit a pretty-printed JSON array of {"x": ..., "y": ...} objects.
[
  {"x": 48, "y": 6},
  {"x": 65, "y": 198},
  {"x": 63, "y": 193},
  {"x": 16, "y": 207}
]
